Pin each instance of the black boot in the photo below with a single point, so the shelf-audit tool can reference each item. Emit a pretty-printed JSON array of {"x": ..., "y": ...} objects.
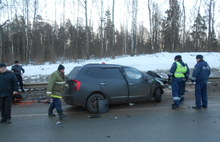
[
  {"x": 50, "y": 113},
  {"x": 61, "y": 115}
]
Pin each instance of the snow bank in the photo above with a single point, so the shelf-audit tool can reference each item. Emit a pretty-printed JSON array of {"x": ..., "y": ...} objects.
[{"x": 157, "y": 61}]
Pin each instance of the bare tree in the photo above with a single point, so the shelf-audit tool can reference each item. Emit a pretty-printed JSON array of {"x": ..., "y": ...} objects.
[
  {"x": 84, "y": 4},
  {"x": 113, "y": 28},
  {"x": 150, "y": 23},
  {"x": 134, "y": 27},
  {"x": 184, "y": 27},
  {"x": 64, "y": 7},
  {"x": 127, "y": 16},
  {"x": 211, "y": 19},
  {"x": 101, "y": 28},
  {"x": 1, "y": 39}
]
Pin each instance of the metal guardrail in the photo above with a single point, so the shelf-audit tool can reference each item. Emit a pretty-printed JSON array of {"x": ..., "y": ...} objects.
[
  {"x": 44, "y": 85},
  {"x": 35, "y": 85}
]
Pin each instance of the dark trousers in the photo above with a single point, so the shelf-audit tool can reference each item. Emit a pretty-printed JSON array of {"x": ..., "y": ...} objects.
[
  {"x": 177, "y": 86},
  {"x": 183, "y": 91},
  {"x": 56, "y": 103},
  {"x": 20, "y": 80},
  {"x": 5, "y": 107},
  {"x": 201, "y": 93}
]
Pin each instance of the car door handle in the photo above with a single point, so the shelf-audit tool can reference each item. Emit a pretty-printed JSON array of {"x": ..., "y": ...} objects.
[
  {"x": 131, "y": 83},
  {"x": 103, "y": 83}
]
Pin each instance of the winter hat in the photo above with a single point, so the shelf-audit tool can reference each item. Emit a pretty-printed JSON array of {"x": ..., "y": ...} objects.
[
  {"x": 61, "y": 67},
  {"x": 16, "y": 62},
  {"x": 199, "y": 57},
  {"x": 2, "y": 65},
  {"x": 178, "y": 57}
]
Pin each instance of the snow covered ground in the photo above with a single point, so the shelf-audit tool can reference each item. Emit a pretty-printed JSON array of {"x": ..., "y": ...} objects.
[{"x": 154, "y": 62}]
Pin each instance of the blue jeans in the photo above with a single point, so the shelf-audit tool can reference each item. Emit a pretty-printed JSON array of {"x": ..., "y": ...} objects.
[
  {"x": 56, "y": 103},
  {"x": 177, "y": 90},
  {"x": 201, "y": 93}
]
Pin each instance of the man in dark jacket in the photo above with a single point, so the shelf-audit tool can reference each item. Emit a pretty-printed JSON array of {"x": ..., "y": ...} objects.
[
  {"x": 200, "y": 75},
  {"x": 55, "y": 89},
  {"x": 17, "y": 69},
  {"x": 8, "y": 87},
  {"x": 177, "y": 72}
]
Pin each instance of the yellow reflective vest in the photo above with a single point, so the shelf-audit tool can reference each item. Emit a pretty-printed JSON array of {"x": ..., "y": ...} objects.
[{"x": 180, "y": 70}]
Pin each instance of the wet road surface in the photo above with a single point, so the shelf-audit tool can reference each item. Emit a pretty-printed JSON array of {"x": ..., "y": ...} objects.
[{"x": 142, "y": 122}]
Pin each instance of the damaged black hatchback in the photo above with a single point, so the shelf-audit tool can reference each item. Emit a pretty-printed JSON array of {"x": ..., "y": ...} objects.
[{"x": 116, "y": 83}]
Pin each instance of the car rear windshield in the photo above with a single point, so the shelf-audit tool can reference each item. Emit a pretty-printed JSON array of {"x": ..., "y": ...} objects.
[{"x": 73, "y": 73}]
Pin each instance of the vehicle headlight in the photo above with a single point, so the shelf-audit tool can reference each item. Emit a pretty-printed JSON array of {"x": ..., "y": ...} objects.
[{"x": 159, "y": 81}]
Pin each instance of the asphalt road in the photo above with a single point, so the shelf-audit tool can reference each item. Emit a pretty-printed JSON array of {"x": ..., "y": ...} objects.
[{"x": 143, "y": 122}]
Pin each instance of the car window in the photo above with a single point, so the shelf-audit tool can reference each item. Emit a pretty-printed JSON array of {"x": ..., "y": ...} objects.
[
  {"x": 73, "y": 73},
  {"x": 132, "y": 73},
  {"x": 104, "y": 73},
  {"x": 111, "y": 73}
]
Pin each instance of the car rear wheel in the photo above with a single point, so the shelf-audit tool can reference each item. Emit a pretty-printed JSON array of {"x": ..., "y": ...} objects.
[
  {"x": 92, "y": 102},
  {"x": 158, "y": 95}
]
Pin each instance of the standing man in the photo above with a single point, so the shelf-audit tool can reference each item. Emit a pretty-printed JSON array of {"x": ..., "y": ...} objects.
[
  {"x": 17, "y": 69},
  {"x": 184, "y": 84},
  {"x": 200, "y": 75},
  {"x": 8, "y": 87},
  {"x": 177, "y": 73},
  {"x": 55, "y": 89}
]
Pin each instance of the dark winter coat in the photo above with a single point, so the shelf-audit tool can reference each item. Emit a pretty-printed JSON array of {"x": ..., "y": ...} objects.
[
  {"x": 17, "y": 69},
  {"x": 201, "y": 71},
  {"x": 8, "y": 83}
]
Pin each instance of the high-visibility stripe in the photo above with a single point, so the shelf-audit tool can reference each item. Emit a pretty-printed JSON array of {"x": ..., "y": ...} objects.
[
  {"x": 60, "y": 83},
  {"x": 176, "y": 98},
  {"x": 56, "y": 96}
]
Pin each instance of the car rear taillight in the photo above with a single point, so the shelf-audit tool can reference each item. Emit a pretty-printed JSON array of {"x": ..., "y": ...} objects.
[{"x": 77, "y": 85}]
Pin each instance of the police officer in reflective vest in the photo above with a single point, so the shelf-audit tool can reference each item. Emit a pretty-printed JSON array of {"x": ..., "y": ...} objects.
[
  {"x": 200, "y": 75},
  {"x": 55, "y": 89},
  {"x": 177, "y": 72}
]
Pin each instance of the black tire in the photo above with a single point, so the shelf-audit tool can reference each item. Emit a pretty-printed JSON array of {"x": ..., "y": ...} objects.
[
  {"x": 92, "y": 102},
  {"x": 157, "y": 95}
]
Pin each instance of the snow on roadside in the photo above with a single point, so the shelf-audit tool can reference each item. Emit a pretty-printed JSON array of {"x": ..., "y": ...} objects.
[{"x": 157, "y": 61}]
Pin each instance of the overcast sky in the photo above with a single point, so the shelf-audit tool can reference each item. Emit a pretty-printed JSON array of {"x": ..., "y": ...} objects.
[{"x": 47, "y": 10}]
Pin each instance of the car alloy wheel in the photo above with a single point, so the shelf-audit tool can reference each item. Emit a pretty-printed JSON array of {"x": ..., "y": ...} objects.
[{"x": 92, "y": 102}]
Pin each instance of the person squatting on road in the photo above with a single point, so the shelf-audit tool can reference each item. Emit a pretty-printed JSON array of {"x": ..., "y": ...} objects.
[
  {"x": 178, "y": 73},
  {"x": 8, "y": 88},
  {"x": 55, "y": 89},
  {"x": 200, "y": 75},
  {"x": 17, "y": 69}
]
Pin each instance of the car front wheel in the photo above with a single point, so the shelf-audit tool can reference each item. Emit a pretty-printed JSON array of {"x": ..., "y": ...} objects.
[
  {"x": 92, "y": 103},
  {"x": 158, "y": 95}
]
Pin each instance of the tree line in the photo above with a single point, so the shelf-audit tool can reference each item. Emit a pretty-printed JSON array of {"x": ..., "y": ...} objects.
[{"x": 34, "y": 40}]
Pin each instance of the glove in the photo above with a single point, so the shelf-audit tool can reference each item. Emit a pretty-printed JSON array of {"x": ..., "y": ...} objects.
[
  {"x": 49, "y": 93},
  {"x": 185, "y": 79},
  {"x": 169, "y": 77},
  {"x": 193, "y": 79}
]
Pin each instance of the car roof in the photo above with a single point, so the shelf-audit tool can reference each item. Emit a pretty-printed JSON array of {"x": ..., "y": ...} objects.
[{"x": 103, "y": 65}]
